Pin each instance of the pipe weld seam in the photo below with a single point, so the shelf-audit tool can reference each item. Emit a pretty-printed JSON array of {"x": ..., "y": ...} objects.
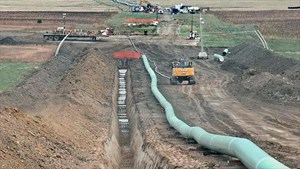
[
  {"x": 228, "y": 148},
  {"x": 199, "y": 136},
  {"x": 261, "y": 160},
  {"x": 212, "y": 139}
]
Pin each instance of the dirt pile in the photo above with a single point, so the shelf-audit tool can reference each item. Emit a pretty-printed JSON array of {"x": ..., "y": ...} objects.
[
  {"x": 42, "y": 83},
  {"x": 8, "y": 41},
  {"x": 264, "y": 74},
  {"x": 26, "y": 142},
  {"x": 68, "y": 104}
]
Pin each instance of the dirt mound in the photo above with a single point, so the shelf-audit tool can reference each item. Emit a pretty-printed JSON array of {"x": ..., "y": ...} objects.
[
  {"x": 42, "y": 83},
  {"x": 271, "y": 86},
  {"x": 264, "y": 73},
  {"x": 249, "y": 55},
  {"x": 26, "y": 142},
  {"x": 70, "y": 128},
  {"x": 8, "y": 41}
]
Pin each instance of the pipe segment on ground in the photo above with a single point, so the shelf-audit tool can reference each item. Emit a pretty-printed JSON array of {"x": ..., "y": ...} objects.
[
  {"x": 218, "y": 57},
  {"x": 249, "y": 154}
]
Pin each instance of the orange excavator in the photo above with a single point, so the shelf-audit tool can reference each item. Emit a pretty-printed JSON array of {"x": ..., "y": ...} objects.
[{"x": 182, "y": 71}]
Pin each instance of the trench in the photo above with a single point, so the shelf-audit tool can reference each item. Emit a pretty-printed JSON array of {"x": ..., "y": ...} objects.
[
  {"x": 127, "y": 154},
  {"x": 135, "y": 152}
]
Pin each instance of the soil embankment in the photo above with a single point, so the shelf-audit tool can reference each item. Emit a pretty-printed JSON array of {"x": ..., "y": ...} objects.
[
  {"x": 68, "y": 120},
  {"x": 264, "y": 75}
]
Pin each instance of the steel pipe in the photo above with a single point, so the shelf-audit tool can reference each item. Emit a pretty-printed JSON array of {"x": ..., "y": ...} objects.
[
  {"x": 218, "y": 58},
  {"x": 249, "y": 154}
]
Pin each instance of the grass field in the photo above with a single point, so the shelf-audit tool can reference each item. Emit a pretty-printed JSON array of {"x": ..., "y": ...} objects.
[
  {"x": 279, "y": 28},
  {"x": 12, "y": 73},
  {"x": 286, "y": 48},
  {"x": 215, "y": 32}
]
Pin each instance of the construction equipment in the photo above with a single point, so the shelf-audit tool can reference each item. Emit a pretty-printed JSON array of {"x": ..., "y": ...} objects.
[
  {"x": 182, "y": 71},
  {"x": 77, "y": 34},
  {"x": 107, "y": 31}
]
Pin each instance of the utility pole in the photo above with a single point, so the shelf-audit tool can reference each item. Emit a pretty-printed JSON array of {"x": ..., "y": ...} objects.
[
  {"x": 202, "y": 54},
  {"x": 64, "y": 18},
  {"x": 192, "y": 12},
  {"x": 201, "y": 37},
  {"x": 192, "y": 35}
]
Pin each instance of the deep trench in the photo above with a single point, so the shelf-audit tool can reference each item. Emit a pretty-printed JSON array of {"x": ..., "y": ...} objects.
[
  {"x": 124, "y": 132},
  {"x": 135, "y": 152}
]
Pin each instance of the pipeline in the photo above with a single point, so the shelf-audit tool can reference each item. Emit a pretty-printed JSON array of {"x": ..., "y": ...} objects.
[
  {"x": 264, "y": 40},
  {"x": 218, "y": 58},
  {"x": 249, "y": 154},
  {"x": 225, "y": 51},
  {"x": 61, "y": 42}
]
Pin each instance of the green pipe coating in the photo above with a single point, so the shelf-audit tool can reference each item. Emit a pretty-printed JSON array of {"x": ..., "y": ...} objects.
[{"x": 249, "y": 154}]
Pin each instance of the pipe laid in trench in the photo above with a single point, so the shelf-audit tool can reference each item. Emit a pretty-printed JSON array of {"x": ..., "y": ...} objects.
[
  {"x": 249, "y": 154},
  {"x": 61, "y": 42}
]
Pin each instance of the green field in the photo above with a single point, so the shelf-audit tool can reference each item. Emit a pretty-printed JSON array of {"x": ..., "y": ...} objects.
[
  {"x": 215, "y": 32},
  {"x": 286, "y": 48},
  {"x": 12, "y": 73}
]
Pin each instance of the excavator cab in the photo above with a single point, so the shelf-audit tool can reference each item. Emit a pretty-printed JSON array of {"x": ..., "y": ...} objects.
[{"x": 182, "y": 71}]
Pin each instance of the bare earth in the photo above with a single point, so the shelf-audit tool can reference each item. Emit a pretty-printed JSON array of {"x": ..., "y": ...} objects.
[
  {"x": 33, "y": 53},
  {"x": 65, "y": 114}
]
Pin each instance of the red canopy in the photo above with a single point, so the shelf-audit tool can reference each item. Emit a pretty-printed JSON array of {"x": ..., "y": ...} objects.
[{"x": 127, "y": 55}]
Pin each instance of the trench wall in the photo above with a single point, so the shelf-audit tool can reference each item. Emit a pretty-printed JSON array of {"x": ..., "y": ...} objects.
[
  {"x": 112, "y": 147},
  {"x": 145, "y": 156}
]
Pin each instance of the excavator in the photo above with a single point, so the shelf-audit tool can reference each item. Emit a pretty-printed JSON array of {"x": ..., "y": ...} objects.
[
  {"x": 147, "y": 6},
  {"x": 182, "y": 71}
]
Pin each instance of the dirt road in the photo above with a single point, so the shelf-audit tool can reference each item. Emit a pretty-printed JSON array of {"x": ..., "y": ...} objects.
[
  {"x": 210, "y": 105},
  {"x": 68, "y": 108}
]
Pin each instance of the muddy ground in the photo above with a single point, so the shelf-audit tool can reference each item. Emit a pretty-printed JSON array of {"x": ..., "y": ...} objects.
[{"x": 64, "y": 114}]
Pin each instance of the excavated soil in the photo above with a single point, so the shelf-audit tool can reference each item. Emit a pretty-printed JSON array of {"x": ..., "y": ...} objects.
[
  {"x": 68, "y": 108},
  {"x": 213, "y": 104},
  {"x": 8, "y": 41},
  {"x": 264, "y": 75}
]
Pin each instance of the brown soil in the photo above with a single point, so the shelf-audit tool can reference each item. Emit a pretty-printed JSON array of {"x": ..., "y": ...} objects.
[
  {"x": 264, "y": 74},
  {"x": 34, "y": 53},
  {"x": 64, "y": 114},
  {"x": 25, "y": 20},
  {"x": 67, "y": 124},
  {"x": 272, "y": 24},
  {"x": 214, "y": 103}
]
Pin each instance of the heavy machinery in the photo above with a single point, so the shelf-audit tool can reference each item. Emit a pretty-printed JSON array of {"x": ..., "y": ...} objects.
[
  {"x": 182, "y": 71},
  {"x": 77, "y": 34}
]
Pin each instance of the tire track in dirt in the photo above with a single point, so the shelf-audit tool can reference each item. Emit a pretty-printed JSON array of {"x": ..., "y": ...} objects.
[
  {"x": 221, "y": 112},
  {"x": 246, "y": 120},
  {"x": 169, "y": 31}
]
